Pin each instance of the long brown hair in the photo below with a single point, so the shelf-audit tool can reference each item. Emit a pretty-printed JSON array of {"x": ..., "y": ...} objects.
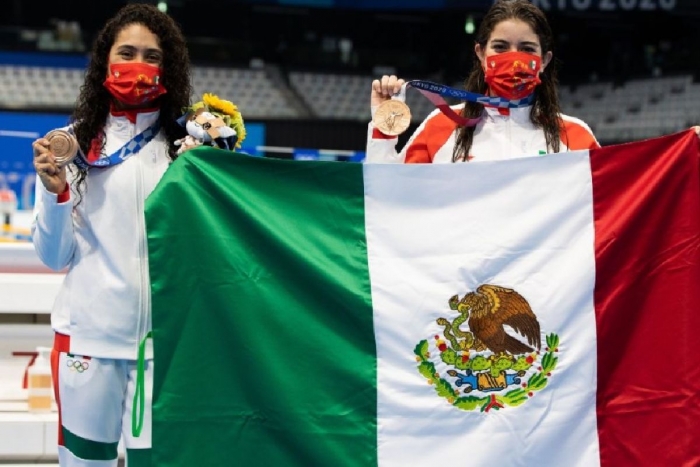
[
  {"x": 545, "y": 109},
  {"x": 93, "y": 104}
]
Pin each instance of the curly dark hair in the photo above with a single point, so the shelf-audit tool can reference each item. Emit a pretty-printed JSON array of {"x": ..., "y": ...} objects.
[
  {"x": 93, "y": 104},
  {"x": 545, "y": 109}
]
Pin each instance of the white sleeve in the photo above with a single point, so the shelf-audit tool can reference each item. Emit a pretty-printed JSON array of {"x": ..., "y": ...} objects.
[
  {"x": 381, "y": 148},
  {"x": 52, "y": 228}
]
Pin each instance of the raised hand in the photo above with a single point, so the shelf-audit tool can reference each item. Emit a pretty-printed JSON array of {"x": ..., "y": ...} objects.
[
  {"x": 384, "y": 88},
  {"x": 51, "y": 175}
]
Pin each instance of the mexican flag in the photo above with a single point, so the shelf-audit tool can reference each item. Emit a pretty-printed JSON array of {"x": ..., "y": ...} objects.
[{"x": 541, "y": 311}]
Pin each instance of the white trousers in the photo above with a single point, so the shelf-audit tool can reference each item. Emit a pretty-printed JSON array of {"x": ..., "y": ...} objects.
[{"x": 95, "y": 398}]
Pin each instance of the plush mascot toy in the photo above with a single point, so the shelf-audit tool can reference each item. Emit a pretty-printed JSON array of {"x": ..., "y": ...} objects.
[{"x": 214, "y": 122}]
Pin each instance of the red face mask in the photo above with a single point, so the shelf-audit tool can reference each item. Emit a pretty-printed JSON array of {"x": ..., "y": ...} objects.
[
  {"x": 512, "y": 75},
  {"x": 134, "y": 84}
]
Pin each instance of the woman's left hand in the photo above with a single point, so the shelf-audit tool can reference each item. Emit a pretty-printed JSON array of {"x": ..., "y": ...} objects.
[{"x": 697, "y": 129}]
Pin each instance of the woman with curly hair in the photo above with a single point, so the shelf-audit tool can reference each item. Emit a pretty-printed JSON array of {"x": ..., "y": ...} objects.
[{"x": 89, "y": 218}]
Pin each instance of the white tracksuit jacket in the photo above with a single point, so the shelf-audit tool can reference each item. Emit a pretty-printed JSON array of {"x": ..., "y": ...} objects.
[{"x": 104, "y": 303}]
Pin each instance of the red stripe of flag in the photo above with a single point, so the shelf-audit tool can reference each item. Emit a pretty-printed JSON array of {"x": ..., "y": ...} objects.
[{"x": 647, "y": 299}]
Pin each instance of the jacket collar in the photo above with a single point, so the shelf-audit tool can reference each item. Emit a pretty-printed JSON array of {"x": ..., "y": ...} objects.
[
  {"x": 520, "y": 114},
  {"x": 129, "y": 121}
]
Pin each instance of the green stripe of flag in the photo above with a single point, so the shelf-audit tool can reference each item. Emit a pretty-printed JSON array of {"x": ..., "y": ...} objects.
[{"x": 262, "y": 350}]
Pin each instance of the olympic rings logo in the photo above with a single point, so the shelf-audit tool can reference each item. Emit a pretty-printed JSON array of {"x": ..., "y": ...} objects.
[{"x": 77, "y": 365}]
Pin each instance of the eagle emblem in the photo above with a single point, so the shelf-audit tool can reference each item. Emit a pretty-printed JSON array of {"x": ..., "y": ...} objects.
[{"x": 489, "y": 355}]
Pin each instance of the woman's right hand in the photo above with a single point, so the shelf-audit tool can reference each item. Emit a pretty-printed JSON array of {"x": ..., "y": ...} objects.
[
  {"x": 383, "y": 89},
  {"x": 51, "y": 175}
]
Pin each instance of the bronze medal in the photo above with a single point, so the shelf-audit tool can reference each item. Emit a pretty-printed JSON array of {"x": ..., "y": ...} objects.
[
  {"x": 63, "y": 145},
  {"x": 392, "y": 117}
]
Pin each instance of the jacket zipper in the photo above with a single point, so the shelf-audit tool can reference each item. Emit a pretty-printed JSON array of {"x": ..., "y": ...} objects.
[
  {"x": 509, "y": 136},
  {"x": 143, "y": 261}
]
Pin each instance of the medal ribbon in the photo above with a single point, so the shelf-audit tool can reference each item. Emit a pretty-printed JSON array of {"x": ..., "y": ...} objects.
[
  {"x": 436, "y": 93},
  {"x": 117, "y": 157}
]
